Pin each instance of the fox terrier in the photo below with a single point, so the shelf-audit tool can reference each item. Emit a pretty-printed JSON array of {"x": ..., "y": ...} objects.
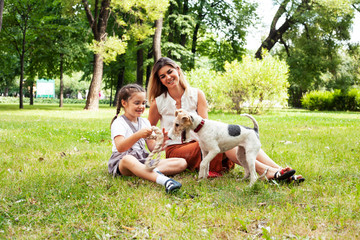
[{"x": 217, "y": 137}]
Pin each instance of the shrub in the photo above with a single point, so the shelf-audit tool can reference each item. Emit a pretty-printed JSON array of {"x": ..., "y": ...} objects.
[
  {"x": 49, "y": 100},
  {"x": 336, "y": 100},
  {"x": 353, "y": 101},
  {"x": 317, "y": 100},
  {"x": 252, "y": 84},
  {"x": 209, "y": 82},
  {"x": 256, "y": 84}
]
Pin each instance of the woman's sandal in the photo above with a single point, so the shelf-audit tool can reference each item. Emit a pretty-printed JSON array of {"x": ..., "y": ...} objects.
[
  {"x": 295, "y": 179},
  {"x": 283, "y": 174}
]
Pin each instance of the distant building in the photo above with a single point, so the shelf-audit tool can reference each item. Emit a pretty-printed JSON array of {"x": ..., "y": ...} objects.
[{"x": 45, "y": 88}]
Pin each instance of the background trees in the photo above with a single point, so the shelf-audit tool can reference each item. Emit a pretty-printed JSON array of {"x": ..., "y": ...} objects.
[
  {"x": 115, "y": 42},
  {"x": 312, "y": 35}
]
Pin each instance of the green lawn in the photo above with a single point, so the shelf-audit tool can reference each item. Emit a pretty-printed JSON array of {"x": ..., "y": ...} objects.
[{"x": 54, "y": 182}]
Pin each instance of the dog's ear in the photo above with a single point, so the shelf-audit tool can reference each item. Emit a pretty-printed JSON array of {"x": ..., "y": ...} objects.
[{"x": 186, "y": 120}]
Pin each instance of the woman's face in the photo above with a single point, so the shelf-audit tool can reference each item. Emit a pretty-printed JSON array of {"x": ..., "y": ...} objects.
[{"x": 169, "y": 76}]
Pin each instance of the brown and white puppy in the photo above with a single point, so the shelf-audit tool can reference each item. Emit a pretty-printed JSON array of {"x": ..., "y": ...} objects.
[{"x": 216, "y": 137}]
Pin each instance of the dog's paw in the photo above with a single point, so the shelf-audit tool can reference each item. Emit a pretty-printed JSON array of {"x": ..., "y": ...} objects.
[{"x": 202, "y": 175}]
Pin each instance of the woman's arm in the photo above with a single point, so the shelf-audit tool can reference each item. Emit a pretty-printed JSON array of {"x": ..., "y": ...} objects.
[
  {"x": 202, "y": 108},
  {"x": 154, "y": 115}
]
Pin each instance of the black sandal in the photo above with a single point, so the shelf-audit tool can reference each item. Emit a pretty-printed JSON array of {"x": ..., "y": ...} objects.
[
  {"x": 283, "y": 175},
  {"x": 295, "y": 179}
]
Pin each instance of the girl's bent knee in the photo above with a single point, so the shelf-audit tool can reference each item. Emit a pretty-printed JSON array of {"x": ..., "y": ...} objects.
[{"x": 182, "y": 163}]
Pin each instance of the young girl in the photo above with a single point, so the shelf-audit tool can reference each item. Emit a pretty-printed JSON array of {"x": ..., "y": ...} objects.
[{"x": 128, "y": 133}]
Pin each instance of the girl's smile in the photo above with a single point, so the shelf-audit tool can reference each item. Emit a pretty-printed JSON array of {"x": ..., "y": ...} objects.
[{"x": 135, "y": 106}]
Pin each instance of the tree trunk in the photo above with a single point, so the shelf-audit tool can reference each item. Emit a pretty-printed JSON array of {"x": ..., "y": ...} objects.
[
  {"x": 196, "y": 31},
  {"x": 140, "y": 64},
  {"x": 157, "y": 39},
  {"x": 22, "y": 62},
  {"x": 120, "y": 82},
  {"x": 276, "y": 34},
  {"x": 148, "y": 67},
  {"x": 1, "y": 12},
  {"x": 61, "y": 81},
  {"x": 183, "y": 37},
  {"x": 92, "y": 101},
  {"x": 31, "y": 92},
  {"x": 98, "y": 26}
]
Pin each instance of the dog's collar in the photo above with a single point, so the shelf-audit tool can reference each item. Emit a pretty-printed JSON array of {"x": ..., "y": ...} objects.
[{"x": 201, "y": 124}]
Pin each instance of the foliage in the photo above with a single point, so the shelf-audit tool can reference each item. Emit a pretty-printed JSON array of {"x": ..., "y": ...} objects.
[
  {"x": 55, "y": 184},
  {"x": 255, "y": 84},
  {"x": 109, "y": 48},
  {"x": 10, "y": 100},
  {"x": 311, "y": 45},
  {"x": 335, "y": 100},
  {"x": 209, "y": 82},
  {"x": 188, "y": 25}
]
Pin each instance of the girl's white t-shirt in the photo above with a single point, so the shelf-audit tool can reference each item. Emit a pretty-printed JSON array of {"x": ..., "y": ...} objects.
[{"x": 120, "y": 127}]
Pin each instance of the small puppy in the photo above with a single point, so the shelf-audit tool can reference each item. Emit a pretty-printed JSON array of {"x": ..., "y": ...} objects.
[{"x": 216, "y": 137}]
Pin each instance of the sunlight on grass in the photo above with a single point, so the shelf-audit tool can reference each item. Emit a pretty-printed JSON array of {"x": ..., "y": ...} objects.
[{"x": 54, "y": 182}]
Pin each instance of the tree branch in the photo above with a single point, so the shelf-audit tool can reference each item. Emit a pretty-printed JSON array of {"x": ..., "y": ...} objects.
[{"x": 88, "y": 14}]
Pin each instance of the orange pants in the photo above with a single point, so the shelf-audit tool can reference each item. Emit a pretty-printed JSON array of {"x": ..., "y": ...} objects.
[{"x": 192, "y": 154}]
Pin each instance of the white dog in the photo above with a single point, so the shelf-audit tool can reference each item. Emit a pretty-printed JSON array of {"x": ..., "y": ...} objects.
[{"x": 216, "y": 137}]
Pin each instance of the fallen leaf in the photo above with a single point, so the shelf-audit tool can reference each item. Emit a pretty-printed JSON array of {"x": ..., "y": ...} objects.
[{"x": 128, "y": 228}]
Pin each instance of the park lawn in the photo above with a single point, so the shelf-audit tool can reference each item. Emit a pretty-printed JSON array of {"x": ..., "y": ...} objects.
[{"x": 54, "y": 182}]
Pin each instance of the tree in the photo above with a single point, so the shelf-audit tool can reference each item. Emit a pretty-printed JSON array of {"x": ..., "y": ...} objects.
[
  {"x": 98, "y": 23},
  {"x": 21, "y": 26},
  {"x": 187, "y": 22},
  {"x": 311, "y": 35},
  {"x": 157, "y": 39},
  {"x": 1, "y": 12}
]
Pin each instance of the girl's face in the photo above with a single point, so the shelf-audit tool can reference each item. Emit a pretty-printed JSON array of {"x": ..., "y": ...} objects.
[
  {"x": 169, "y": 76},
  {"x": 135, "y": 106}
]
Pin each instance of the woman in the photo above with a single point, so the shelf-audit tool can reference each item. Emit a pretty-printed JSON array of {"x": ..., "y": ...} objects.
[{"x": 168, "y": 90}]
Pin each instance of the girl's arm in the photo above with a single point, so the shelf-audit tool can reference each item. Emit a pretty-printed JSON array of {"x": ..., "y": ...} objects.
[
  {"x": 154, "y": 115},
  {"x": 202, "y": 108},
  {"x": 123, "y": 144}
]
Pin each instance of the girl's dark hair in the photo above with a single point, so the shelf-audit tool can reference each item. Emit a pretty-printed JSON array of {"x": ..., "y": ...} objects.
[{"x": 125, "y": 94}]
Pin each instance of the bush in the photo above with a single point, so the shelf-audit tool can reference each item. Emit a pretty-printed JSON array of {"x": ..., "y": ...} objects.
[
  {"x": 49, "y": 100},
  {"x": 318, "y": 100},
  {"x": 252, "y": 84},
  {"x": 353, "y": 101},
  {"x": 336, "y": 100},
  {"x": 208, "y": 82},
  {"x": 256, "y": 84}
]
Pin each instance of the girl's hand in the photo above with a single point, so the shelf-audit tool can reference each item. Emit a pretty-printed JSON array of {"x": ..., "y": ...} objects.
[{"x": 144, "y": 132}]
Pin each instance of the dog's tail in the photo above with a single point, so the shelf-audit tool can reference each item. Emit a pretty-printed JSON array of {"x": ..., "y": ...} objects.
[{"x": 256, "y": 126}]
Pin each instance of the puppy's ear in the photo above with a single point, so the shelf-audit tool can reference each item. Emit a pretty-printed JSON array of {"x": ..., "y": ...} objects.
[
  {"x": 186, "y": 120},
  {"x": 177, "y": 112}
]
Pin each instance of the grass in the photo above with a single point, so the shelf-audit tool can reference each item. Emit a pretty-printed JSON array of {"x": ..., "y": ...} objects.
[{"x": 54, "y": 182}]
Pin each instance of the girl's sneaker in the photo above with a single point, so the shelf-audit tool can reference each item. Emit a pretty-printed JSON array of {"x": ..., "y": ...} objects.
[{"x": 172, "y": 186}]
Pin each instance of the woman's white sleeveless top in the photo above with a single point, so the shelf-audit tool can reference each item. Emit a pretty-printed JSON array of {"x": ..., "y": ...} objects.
[{"x": 167, "y": 106}]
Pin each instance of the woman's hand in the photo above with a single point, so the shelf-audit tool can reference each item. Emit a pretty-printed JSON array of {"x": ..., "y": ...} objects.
[{"x": 166, "y": 137}]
